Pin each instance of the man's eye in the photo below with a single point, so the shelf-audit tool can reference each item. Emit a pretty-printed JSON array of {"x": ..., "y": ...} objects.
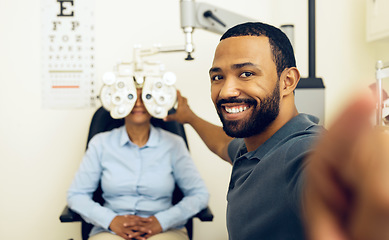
[
  {"x": 246, "y": 74},
  {"x": 217, "y": 78}
]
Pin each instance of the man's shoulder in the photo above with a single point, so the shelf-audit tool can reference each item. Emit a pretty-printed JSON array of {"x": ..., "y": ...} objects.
[
  {"x": 301, "y": 143},
  {"x": 301, "y": 127},
  {"x": 303, "y": 122},
  {"x": 299, "y": 136}
]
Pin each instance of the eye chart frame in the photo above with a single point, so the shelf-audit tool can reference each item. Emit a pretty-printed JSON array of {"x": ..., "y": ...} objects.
[{"x": 68, "y": 54}]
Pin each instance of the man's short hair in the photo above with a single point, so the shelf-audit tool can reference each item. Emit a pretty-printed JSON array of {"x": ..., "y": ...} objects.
[{"x": 283, "y": 54}]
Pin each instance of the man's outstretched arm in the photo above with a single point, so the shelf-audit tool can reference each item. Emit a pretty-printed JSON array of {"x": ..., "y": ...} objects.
[
  {"x": 347, "y": 184},
  {"x": 213, "y": 136}
]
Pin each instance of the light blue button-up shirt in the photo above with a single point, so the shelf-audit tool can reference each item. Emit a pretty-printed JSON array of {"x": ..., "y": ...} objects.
[{"x": 137, "y": 180}]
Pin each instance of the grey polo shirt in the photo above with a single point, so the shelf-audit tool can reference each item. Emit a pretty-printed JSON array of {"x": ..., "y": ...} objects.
[{"x": 265, "y": 186}]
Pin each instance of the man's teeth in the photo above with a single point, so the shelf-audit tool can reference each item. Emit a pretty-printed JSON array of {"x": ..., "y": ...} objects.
[{"x": 235, "y": 109}]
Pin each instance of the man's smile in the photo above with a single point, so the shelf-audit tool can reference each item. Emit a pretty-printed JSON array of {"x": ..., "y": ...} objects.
[{"x": 235, "y": 111}]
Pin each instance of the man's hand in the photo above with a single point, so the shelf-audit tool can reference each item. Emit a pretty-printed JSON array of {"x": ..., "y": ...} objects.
[
  {"x": 347, "y": 184},
  {"x": 183, "y": 112},
  {"x": 130, "y": 227}
]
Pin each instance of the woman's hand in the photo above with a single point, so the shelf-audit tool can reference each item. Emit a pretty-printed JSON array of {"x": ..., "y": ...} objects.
[
  {"x": 152, "y": 224},
  {"x": 130, "y": 227}
]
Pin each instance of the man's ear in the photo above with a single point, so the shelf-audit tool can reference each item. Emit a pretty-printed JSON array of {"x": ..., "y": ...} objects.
[{"x": 289, "y": 80}]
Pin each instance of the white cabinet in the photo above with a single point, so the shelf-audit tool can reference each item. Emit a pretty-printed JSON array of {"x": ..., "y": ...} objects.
[{"x": 377, "y": 16}]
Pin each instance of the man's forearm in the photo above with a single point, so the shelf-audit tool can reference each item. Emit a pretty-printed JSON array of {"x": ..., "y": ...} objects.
[{"x": 213, "y": 136}]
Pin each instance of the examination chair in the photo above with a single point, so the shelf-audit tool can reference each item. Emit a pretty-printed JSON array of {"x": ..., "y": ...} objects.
[{"x": 101, "y": 122}]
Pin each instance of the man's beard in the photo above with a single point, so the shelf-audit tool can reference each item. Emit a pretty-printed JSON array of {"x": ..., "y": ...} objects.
[{"x": 261, "y": 118}]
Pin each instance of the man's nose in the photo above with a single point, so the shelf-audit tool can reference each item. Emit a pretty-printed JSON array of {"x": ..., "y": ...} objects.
[{"x": 229, "y": 89}]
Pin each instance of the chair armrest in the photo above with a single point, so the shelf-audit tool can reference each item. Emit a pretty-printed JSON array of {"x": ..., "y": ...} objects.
[
  {"x": 205, "y": 215},
  {"x": 68, "y": 215}
]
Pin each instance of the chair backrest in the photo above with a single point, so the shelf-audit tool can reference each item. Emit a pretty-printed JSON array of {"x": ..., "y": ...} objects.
[{"x": 101, "y": 122}]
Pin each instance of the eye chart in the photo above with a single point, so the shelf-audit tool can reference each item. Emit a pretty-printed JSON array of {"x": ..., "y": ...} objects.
[{"x": 68, "y": 54}]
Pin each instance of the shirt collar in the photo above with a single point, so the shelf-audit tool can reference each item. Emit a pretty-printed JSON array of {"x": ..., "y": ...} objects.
[
  {"x": 151, "y": 142},
  {"x": 300, "y": 123}
]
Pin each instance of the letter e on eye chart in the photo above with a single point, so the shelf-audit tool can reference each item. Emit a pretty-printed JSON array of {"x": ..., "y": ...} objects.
[{"x": 68, "y": 48}]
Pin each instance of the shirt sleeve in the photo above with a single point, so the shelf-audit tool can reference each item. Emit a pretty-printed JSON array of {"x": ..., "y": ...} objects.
[
  {"x": 85, "y": 182},
  {"x": 188, "y": 179}
]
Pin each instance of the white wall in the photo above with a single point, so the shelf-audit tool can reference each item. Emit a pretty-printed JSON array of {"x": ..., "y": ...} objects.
[{"x": 40, "y": 149}]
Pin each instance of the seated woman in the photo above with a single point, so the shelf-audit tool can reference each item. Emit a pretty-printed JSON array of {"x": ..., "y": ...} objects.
[{"x": 138, "y": 166}]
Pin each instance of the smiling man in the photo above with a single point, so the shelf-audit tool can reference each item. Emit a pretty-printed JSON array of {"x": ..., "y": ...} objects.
[{"x": 253, "y": 78}]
